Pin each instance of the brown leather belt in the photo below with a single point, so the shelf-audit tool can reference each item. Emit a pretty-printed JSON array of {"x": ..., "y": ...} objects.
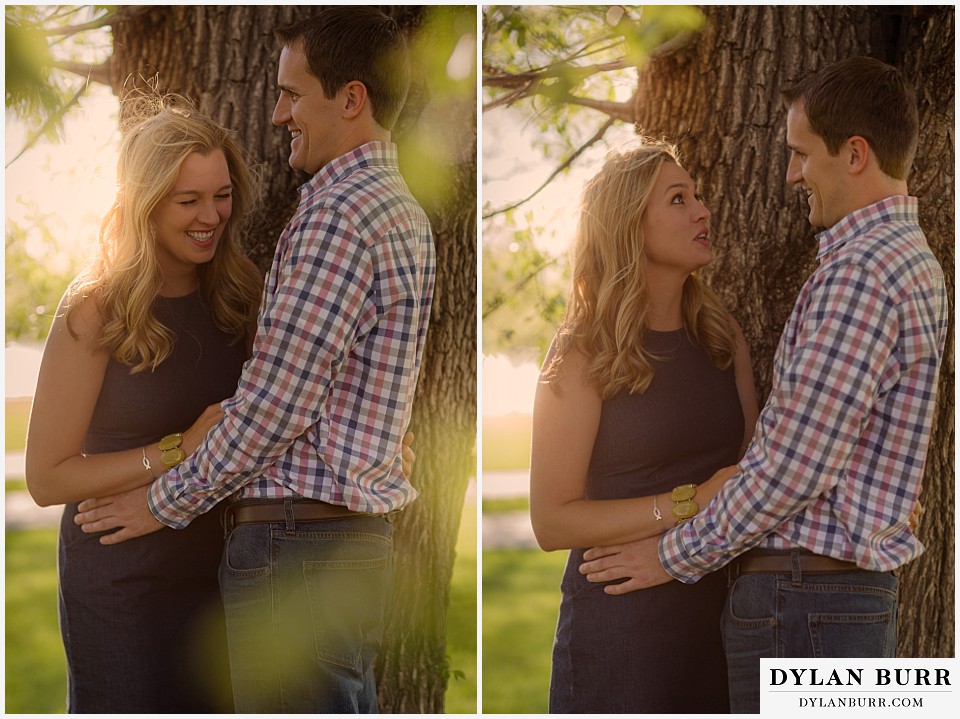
[
  {"x": 760, "y": 561},
  {"x": 304, "y": 510}
]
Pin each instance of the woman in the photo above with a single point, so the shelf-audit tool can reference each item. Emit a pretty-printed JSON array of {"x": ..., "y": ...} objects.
[
  {"x": 647, "y": 387},
  {"x": 141, "y": 346}
]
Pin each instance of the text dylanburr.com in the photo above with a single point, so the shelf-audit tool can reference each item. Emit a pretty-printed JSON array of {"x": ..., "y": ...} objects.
[{"x": 856, "y": 687}]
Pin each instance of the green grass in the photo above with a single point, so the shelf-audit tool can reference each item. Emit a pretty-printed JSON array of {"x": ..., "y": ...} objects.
[
  {"x": 507, "y": 504},
  {"x": 461, "y": 696},
  {"x": 35, "y": 663},
  {"x": 521, "y": 597},
  {"x": 506, "y": 442},
  {"x": 17, "y": 414}
]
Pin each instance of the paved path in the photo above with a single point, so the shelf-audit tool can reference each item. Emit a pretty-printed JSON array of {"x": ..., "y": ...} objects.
[
  {"x": 20, "y": 511},
  {"x": 507, "y": 530}
]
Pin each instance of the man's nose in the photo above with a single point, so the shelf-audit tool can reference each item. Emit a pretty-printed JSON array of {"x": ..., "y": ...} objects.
[{"x": 280, "y": 112}]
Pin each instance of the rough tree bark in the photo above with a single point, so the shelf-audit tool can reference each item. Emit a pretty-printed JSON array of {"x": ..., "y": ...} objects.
[
  {"x": 720, "y": 95},
  {"x": 225, "y": 59}
]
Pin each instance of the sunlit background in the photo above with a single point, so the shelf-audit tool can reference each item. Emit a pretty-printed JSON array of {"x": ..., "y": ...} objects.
[
  {"x": 57, "y": 186},
  {"x": 514, "y": 168},
  {"x": 57, "y": 192}
]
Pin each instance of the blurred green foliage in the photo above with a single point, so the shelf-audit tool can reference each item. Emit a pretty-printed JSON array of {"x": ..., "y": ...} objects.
[
  {"x": 33, "y": 285},
  {"x": 40, "y": 41},
  {"x": 443, "y": 137}
]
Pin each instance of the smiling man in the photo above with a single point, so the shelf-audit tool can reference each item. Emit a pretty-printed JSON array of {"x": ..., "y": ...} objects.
[
  {"x": 310, "y": 444},
  {"x": 816, "y": 518}
]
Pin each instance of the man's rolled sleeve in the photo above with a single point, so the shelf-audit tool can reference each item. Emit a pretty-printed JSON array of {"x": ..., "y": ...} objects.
[{"x": 676, "y": 559}]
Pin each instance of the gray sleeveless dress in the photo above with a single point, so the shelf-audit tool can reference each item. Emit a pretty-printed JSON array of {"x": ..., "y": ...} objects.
[
  {"x": 656, "y": 650},
  {"x": 142, "y": 621}
]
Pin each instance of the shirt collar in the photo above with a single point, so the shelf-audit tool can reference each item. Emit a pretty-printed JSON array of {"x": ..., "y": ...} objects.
[
  {"x": 900, "y": 208},
  {"x": 370, "y": 154}
]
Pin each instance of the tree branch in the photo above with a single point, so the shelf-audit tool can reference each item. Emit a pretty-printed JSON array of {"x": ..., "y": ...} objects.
[
  {"x": 501, "y": 297},
  {"x": 112, "y": 17},
  {"x": 566, "y": 163},
  {"x": 70, "y": 30},
  {"x": 583, "y": 52},
  {"x": 622, "y": 111},
  {"x": 508, "y": 99},
  {"x": 508, "y": 80},
  {"x": 93, "y": 73}
]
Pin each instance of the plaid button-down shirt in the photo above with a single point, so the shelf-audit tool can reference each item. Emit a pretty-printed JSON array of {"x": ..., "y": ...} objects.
[
  {"x": 324, "y": 401},
  {"x": 836, "y": 463}
]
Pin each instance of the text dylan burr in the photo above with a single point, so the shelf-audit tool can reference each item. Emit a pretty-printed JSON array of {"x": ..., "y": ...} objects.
[{"x": 914, "y": 677}]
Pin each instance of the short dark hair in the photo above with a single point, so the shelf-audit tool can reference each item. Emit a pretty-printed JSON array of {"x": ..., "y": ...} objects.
[
  {"x": 343, "y": 44},
  {"x": 862, "y": 96}
]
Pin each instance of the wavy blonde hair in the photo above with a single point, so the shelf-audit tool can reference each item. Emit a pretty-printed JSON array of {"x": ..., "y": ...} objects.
[
  {"x": 608, "y": 305},
  {"x": 158, "y": 133}
]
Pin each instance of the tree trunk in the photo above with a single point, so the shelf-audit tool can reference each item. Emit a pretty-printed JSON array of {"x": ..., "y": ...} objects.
[
  {"x": 225, "y": 59},
  {"x": 927, "y": 49},
  {"x": 720, "y": 96}
]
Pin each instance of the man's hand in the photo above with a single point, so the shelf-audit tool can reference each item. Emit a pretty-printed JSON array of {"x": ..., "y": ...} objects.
[
  {"x": 128, "y": 510},
  {"x": 638, "y": 562}
]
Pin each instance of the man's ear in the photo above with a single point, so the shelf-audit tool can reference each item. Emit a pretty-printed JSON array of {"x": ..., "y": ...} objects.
[
  {"x": 355, "y": 99},
  {"x": 859, "y": 154}
]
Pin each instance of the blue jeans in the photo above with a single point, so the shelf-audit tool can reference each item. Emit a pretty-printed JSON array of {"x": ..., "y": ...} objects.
[
  {"x": 305, "y": 606},
  {"x": 830, "y": 615}
]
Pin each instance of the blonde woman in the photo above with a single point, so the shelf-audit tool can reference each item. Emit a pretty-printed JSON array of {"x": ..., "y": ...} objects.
[
  {"x": 647, "y": 388},
  {"x": 143, "y": 346}
]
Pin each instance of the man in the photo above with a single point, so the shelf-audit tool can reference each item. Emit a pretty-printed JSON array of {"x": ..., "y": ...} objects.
[
  {"x": 817, "y": 512},
  {"x": 310, "y": 442}
]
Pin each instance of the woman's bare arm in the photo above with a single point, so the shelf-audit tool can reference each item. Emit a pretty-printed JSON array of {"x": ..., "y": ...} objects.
[
  {"x": 70, "y": 379},
  {"x": 565, "y": 420}
]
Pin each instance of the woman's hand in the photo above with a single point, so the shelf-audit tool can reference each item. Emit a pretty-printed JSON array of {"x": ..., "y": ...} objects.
[
  {"x": 193, "y": 437},
  {"x": 407, "y": 455},
  {"x": 914, "y": 519}
]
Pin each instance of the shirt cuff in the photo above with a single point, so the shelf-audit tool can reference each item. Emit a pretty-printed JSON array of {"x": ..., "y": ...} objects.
[
  {"x": 675, "y": 558},
  {"x": 162, "y": 502}
]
